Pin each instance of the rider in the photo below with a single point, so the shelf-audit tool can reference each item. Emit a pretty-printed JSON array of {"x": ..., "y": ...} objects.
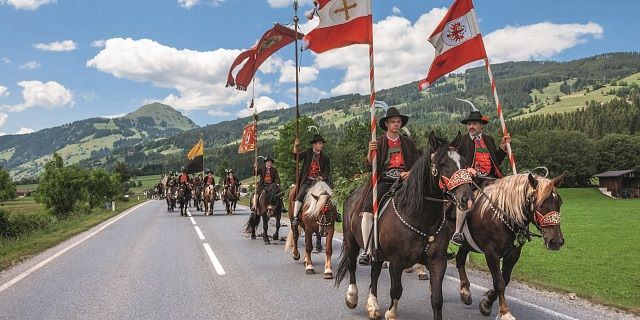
[
  {"x": 268, "y": 176},
  {"x": 484, "y": 158},
  {"x": 209, "y": 179},
  {"x": 396, "y": 155},
  {"x": 315, "y": 166},
  {"x": 184, "y": 177},
  {"x": 230, "y": 180}
]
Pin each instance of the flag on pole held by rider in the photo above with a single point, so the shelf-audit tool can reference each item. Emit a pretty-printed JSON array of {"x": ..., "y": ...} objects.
[
  {"x": 272, "y": 40},
  {"x": 342, "y": 23},
  {"x": 248, "y": 142},
  {"x": 195, "y": 158},
  {"x": 457, "y": 40}
]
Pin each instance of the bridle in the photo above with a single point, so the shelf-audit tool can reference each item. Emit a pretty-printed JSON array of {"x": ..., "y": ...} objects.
[{"x": 448, "y": 184}]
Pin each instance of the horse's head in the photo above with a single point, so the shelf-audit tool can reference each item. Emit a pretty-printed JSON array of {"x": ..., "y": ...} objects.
[
  {"x": 448, "y": 168},
  {"x": 544, "y": 209},
  {"x": 269, "y": 199},
  {"x": 322, "y": 207}
]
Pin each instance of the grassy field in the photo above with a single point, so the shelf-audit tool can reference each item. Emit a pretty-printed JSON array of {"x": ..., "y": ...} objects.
[
  {"x": 16, "y": 250},
  {"x": 599, "y": 259}
]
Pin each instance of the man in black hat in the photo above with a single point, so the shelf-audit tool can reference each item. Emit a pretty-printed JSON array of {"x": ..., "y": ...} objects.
[
  {"x": 209, "y": 179},
  {"x": 268, "y": 177},
  {"x": 396, "y": 154},
  {"x": 231, "y": 180},
  {"x": 484, "y": 159},
  {"x": 315, "y": 166}
]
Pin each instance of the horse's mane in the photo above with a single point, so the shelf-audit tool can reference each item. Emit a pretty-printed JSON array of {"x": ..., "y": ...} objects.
[
  {"x": 511, "y": 193},
  {"x": 317, "y": 190}
]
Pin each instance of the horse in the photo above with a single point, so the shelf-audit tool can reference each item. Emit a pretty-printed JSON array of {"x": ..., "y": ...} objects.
[
  {"x": 498, "y": 226},
  {"x": 319, "y": 217},
  {"x": 230, "y": 198},
  {"x": 209, "y": 197},
  {"x": 183, "y": 197},
  {"x": 268, "y": 205},
  {"x": 170, "y": 196},
  {"x": 197, "y": 197},
  {"x": 411, "y": 226}
]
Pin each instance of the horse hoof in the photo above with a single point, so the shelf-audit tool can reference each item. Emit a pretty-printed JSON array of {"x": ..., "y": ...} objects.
[
  {"x": 267, "y": 242},
  {"x": 253, "y": 237},
  {"x": 318, "y": 249},
  {"x": 485, "y": 307},
  {"x": 466, "y": 298},
  {"x": 328, "y": 275},
  {"x": 423, "y": 276},
  {"x": 296, "y": 256},
  {"x": 507, "y": 316},
  {"x": 389, "y": 316},
  {"x": 351, "y": 304},
  {"x": 275, "y": 238},
  {"x": 310, "y": 271}
]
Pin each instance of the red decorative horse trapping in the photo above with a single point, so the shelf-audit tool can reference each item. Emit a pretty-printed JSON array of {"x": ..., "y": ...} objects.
[
  {"x": 552, "y": 218},
  {"x": 460, "y": 177}
]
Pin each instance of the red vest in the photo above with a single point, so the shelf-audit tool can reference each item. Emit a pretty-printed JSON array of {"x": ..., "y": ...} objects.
[
  {"x": 482, "y": 160},
  {"x": 267, "y": 175},
  {"x": 395, "y": 158},
  {"x": 314, "y": 169}
]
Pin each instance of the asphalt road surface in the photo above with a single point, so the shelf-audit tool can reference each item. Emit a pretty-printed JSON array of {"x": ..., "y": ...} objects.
[{"x": 150, "y": 264}]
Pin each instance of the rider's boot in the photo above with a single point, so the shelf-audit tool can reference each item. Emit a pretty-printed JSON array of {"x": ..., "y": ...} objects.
[
  {"x": 296, "y": 213},
  {"x": 284, "y": 208},
  {"x": 367, "y": 224},
  {"x": 458, "y": 237},
  {"x": 253, "y": 203}
]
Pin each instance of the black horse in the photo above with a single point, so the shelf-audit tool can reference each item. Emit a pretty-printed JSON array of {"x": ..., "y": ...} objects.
[
  {"x": 230, "y": 198},
  {"x": 411, "y": 227},
  {"x": 268, "y": 205},
  {"x": 170, "y": 197},
  {"x": 183, "y": 197},
  {"x": 197, "y": 197}
]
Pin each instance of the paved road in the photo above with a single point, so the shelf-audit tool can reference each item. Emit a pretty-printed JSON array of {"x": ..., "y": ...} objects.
[{"x": 150, "y": 264}]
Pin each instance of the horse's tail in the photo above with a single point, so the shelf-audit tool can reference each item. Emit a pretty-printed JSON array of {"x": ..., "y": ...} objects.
[
  {"x": 288, "y": 246},
  {"x": 254, "y": 221},
  {"x": 343, "y": 266}
]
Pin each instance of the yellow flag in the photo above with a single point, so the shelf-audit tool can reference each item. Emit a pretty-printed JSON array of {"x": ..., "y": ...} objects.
[{"x": 197, "y": 150}]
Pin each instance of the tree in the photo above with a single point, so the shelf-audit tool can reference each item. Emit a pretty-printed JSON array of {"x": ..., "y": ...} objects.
[
  {"x": 101, "y": 186},
  {"x": 618, "y": 152},
  {"x": 351, "y": 151},
  {"x": 62, "y": 189},
  {"x": 284, "y": 146},
  {"x": 7, "y": 186},
  {"x": 123, "y": 171},
  {"x": 222, "y": 173}
]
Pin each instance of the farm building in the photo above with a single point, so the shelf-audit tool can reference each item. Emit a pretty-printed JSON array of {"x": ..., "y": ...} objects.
[{"x": 620, "y": 183}]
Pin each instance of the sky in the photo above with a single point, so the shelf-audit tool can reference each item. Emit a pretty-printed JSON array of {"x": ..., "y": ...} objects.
[{"x": 68, "y": 60}]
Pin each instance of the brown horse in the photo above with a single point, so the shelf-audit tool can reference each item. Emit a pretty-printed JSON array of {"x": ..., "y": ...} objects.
[
  {"x": 318, "y": 216},
  {"x": 268, "y": 205},
  {"x": 498, "y": 226},
  {"x": 170, "y": 196},
  {"x": 208, "y": 198},
  {"x": 230, "y": 198},
  {"x": 410, "y": 227}
]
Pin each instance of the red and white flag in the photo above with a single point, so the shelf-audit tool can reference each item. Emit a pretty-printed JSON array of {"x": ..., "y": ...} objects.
[
  {"x": 342, "y": 23},
  {"x": 249, "y": 138},
  {"x": 457, "y": 40}
]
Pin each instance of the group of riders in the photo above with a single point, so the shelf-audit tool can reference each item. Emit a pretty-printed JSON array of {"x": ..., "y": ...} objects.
[{"x": 395, "y": 153}]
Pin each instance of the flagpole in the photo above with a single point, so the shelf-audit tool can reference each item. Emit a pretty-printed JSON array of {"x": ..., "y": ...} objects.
[
  {"x": 203, "y": 162},
  {"x": 295, "y": 21},
  {"x": 499, "y": 106},
  {"x": 374, "y": 165}
]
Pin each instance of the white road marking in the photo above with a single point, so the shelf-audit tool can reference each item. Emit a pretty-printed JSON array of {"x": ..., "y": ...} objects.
[
  {"x": 214, "y": 260},
  {"x": 193, "y": 221},
  {"x": 200, "y": 235},
  {"x": 188, "y": 213},
  {"x": 21, "y": 276},
  {"x": 525, "y": 303}
]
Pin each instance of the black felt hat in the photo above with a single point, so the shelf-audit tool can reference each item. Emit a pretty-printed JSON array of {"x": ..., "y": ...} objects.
[
  {"x": 317, "y": 138},
  {"x": 476, "y": 116},
  {"x": 392, "y": 112}
]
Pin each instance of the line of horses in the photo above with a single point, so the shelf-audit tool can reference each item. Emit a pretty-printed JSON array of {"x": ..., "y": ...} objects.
[
  {"x": 415, "y": 225},
  {"x": 183, "y": 195}
]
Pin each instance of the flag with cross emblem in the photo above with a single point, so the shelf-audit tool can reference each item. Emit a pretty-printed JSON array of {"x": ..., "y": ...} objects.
[{"x": 342, "y": 23}]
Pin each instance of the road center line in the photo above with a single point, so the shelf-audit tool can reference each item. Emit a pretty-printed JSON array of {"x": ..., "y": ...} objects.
[
  {"x": 21, "y": 276},
  {"x": 200, "y": 235},
  {"x": 214, "y": 260},
  {"x": 193, "y": 221},
  {"x": 528, "y": 304}
]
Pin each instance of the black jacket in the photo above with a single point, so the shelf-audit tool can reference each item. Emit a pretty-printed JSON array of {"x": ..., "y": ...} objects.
[
  {"x": 325, "y": 165},
  {"x": 410, "y": 153},
  {"x": 467, "y": 149},
  {"x": 275, "y": 177}
]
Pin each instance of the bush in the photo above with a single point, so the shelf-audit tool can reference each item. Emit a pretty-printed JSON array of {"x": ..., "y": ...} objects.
[{"x": 16, "y": 225}]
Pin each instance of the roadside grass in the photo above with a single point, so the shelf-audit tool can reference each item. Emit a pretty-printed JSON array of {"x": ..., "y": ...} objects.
[
  {"x": 12, "y": 251},
  {"x": 599, "y": 259}
]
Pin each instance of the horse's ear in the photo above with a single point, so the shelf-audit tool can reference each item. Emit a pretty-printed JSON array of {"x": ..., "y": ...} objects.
[
  {"x": 433, "y": 142},
  {"x": 533, "y": 181},
  {"x": 557, "y": 181},
  {"x": 456, "y": 142},
  {"x": 315, "y": 197}
]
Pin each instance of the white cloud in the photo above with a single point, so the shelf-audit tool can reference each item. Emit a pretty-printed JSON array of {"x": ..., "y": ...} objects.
[
  {"x": 3, "y": 118},
  {"x": 262, "y": 103},
  {"x": 57, "y": 46},
  {"x": 4, "y": 91},
  {"x": 24, "y": 130},
  {"x": 396, "y": 11},
  {"x": 191, "y": 3},
  {"x": 113, "y": 116},
  {"x": 5, "y": 60},
  {"x": 287, "y": 3},
  {"x": 198, "y": 77},
  {"x": 287, "y": 70},
  {"x": 38, "y": 94},
  {"x": 27, "y": 4},
  {"x": 98, "y": 43},
  {"x": 30, "y": 65},
  {"x": 403, "y": 54},
  {"x": 537, "y": 41},
  {"x": 2, "y": 134},
  {"x": 218, "y": 112}
]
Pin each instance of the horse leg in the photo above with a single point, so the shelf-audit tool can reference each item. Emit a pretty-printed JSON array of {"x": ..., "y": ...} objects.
[
  {"x": 461, "y": 260},
  {"x": 493, "y": 262},
  {"x": 276, "y": 235},
  {"x": 328, "y": 273},
  {"x": 437, "y": 269},
  {"x": 396, "y": 290},
  {"x": 265, "y": 228},
  {"x": 372, "y": 301},
  {"x": 318, "y": 242},
  {"x": 308, "y": 246},
  {"x": 351, "y": 257},
  {"x": 508, "y": 263}
]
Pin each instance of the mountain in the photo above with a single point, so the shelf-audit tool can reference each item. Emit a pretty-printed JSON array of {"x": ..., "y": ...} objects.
[{"x": 25, "y": 155}]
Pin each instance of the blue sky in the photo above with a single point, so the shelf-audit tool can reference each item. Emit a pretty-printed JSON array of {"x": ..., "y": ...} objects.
[{"x": 67, "y": 60}]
